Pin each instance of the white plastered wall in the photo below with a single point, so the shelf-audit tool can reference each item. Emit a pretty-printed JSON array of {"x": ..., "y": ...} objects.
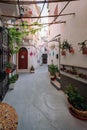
[
  {"x": 32, "y": 60},
  {"x": 75, "y": 31},
  {"x": 53, "y": 31}
]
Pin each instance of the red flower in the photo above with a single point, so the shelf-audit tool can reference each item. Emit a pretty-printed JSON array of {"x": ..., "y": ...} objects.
[{"x": 8, "y": 70}]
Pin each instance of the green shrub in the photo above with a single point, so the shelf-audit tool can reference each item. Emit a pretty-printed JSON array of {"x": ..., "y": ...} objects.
[
  {"x": 53, "y": 69},
  {"x": 32, "y": 68},
  {"x": 75, "y": 98},
  {"x": 13, "y": 78}
]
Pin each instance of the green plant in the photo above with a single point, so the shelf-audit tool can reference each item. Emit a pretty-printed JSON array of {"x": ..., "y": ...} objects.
[
  {"x": 17, "y": 34},
  {"x": 53, "y": 69},
  {"x": 9, "y": 65},
  {"x": 75, "y": 98},
  {"x": 32, "y": 68},
  {"x": 65, "y": 45},
  {"x": 13, "y": 78},
  {"x": 15, "y": 39},
  {"x": 82, "y": 45},
  {"x": 56, "y": 67},
  {"x": 74, "y": 71}
]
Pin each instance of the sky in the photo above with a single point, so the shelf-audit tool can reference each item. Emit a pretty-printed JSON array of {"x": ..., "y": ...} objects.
[
  {"x": 44, "y": 20},
  {"x": 44, "y": 12}
]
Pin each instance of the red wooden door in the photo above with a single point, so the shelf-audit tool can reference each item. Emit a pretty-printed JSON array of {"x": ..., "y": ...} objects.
[{"x": 23, "y": 58}]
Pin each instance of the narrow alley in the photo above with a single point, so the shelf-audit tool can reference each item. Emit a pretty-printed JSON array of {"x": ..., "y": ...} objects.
[{"x": 39, "y": 105}]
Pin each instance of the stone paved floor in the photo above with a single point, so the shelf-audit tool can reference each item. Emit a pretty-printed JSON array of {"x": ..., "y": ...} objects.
[{"x": 39, "y": 105}]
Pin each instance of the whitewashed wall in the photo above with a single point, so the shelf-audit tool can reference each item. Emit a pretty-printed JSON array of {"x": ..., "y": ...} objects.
[
  {"x": 75, "y": 31},
  {"x": 53, "y": 31},
  {"x": 55, "y": 28}
]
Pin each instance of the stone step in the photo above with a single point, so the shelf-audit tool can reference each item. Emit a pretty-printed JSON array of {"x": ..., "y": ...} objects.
[
  {"x": 56, "y": 84},
  {"x": 58, "y": 79}
]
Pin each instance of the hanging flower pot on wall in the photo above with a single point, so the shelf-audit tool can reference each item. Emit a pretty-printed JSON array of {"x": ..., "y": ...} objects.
[
  {"x": 83, "y": 47},
  {"x": 71, "y": 50},
  {"x": 63, "y": 53},
  {"x": 65, "y": 46},
  {"x": 8, "y": 70},
  {"x": 84, "y": 51}
]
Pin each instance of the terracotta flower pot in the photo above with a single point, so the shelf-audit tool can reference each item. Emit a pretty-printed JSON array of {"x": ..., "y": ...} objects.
[
  {"x": 84, "y": 51},
  {"x": 71, "y": 50},
  {"x": 52, "y": 77},
  {"x": 78, "y": 113},
  {"x": 8, "y": 70},
  {"x": 63, "y": 53}
]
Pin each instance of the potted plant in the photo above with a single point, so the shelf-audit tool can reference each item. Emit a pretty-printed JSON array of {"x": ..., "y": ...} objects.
[
  {"x": 74, "y": 71},
  {"x": 63, "y": 52},
  {"x": 64, "y": 46},
  {"x": 52, "y": 70},
  {"x": 83, "y": 47},
  {"x": 77, "y": 103},
  {"x": 12, "y": 80},
  {"x": 81, "y": 75},
  {"x": 8, "y": 68},
  {"x": 32, "y": 69},
  {"x": 71, "y": 50}
]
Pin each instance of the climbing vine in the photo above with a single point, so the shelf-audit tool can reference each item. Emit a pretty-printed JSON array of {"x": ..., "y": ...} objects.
[{"x": 17, "y": 34}]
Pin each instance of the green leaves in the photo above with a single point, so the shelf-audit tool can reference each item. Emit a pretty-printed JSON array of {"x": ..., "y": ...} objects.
[
  {"x": 15, "y": 39},
  {"x": 65, "y": 45},
  {"x": 53, "y": 69},
  {"x": 17, "y": 34},
  {"x": 82, "y": 45},
  {"x": 13, "y": 78},
  {"x": 75, "y": 98}
]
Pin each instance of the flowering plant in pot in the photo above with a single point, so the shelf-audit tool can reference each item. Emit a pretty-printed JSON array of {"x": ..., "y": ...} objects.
[
  {"x": 8, "y": 68},
  {"x": 64, "y": 46},
  {"x": 53, "y": 70},
  {"x": 71, "y": 50},
  {"x": 77, "y": 103},
  {"x": 12, "y": 80},
  {"x": 83, "y": 47}
]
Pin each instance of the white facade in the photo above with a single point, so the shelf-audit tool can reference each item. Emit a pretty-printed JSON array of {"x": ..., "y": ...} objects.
[
  {"x": 54, "y": 30},
  {"x": 74, "y": 30},
  {"x": 35, "y": 59}
]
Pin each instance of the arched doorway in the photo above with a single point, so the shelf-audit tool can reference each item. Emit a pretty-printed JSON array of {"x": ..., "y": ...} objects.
[
  {"x": 44, "y": 58},
  {"x": 23, "y": 58}
]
